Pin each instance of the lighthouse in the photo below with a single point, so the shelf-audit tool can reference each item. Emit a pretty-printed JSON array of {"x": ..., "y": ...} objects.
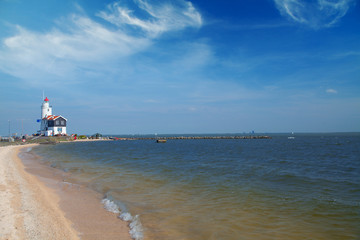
[
  {"x": 46, "y": 109},
  {"x": 51, "y": 125}
]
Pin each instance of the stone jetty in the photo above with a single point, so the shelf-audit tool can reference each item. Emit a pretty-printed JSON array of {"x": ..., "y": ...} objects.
[{"x": 193, "y": 137}]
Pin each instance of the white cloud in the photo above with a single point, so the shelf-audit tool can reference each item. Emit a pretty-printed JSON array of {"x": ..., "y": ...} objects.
[
  {"x": 314, "y": 13},
  {"x": 160, "y": 18},
  {"x": 332, "y": 91},
  {"x": 80, "y": 44}
]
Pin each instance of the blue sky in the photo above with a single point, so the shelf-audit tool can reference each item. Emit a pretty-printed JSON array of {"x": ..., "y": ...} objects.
[{"x": 141, "y": 66}]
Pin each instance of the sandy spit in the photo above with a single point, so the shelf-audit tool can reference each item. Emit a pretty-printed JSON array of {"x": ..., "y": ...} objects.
[
  {"x": 28, "y": 209},
  {"x": 36, "y": 203}
]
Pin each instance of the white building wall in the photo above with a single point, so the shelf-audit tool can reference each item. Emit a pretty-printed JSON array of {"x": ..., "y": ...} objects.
[
  {"x": 48, "y": 133},
  {"x": 58, "y": 130}
]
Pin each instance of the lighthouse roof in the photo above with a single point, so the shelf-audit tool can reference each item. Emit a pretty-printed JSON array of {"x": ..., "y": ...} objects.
[
  {"x": 53, "y": 117},
  {"x": 46, "y": 99}
]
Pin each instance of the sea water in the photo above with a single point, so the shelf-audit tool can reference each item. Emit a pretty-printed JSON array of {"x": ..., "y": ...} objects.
[{"x": 307, "y": 187}]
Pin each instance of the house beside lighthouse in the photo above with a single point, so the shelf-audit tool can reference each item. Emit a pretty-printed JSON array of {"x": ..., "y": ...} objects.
[{"x": 51, "y": 125}]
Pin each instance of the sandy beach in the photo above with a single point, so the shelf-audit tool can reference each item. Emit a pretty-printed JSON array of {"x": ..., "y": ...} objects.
[{"x": 35, "y": 203}]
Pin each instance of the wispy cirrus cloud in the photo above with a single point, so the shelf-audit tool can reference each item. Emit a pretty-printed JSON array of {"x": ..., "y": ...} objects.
[
  {"x": 160, "y": 18},
  {"x": 79, "y": 44},
  {"x": 314, "y": 13}
]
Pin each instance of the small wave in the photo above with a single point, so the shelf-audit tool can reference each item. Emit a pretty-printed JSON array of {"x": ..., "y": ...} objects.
[
  {"x": 126, "y": 216},
  {"x": 136, "y": 231},
  {"x": 28, "y": 149},
  {"x": 110, "y": 205}
]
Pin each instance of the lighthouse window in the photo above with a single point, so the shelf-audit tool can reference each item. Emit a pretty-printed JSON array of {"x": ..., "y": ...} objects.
[
  {"x": 62, "y": 122},
  {"x": 57, "y": 122}
]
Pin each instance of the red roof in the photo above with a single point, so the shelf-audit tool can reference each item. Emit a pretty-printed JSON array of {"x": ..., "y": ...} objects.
[
  {"x": 46, "y": 99},
  {"x": 51, "y": 117}
]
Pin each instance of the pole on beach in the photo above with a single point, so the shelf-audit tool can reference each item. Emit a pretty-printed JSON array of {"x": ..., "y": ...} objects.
[{"x": 9, "y": 129}]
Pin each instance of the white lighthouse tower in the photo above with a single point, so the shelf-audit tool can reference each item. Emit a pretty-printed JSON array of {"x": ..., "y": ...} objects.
[
  {"x": 51, "y": 125},
  {"x": 46, "y": 109}
]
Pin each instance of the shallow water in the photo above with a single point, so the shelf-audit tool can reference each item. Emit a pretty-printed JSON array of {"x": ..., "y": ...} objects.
[{"x": 280, "y": 188}]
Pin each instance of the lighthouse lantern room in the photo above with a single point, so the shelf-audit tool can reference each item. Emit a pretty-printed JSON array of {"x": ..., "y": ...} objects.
[{"x": 51, "y": 125}]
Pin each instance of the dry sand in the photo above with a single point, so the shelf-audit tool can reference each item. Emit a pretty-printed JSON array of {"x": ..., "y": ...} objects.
[{"x": 36, "y": 204}]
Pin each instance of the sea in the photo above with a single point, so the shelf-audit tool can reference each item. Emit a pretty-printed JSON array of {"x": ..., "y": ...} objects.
[{"x": 292, "y": 186}]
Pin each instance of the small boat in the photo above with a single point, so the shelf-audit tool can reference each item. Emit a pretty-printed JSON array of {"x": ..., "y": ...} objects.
[
  {"x": 292, "y": 137},
  {"x": 161, "y": 141}
]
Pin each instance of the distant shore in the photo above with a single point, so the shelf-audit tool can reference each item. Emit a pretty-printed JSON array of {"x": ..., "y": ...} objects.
[
  {"x": 62, "y": 139},
  {"x": 36, "y": 203},
  {"x": 91, "y": 140},
  {"x": 49, "y": 140},
  {"x": 190, "y": 137}
]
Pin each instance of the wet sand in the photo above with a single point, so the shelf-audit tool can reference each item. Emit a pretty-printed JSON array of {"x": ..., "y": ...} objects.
[{"x": 36, "y": 203}]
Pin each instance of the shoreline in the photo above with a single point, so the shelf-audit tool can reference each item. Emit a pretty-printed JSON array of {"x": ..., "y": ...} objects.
[
  {"x": 37, "y": 203},
  {"x": 29, "y": 210}
]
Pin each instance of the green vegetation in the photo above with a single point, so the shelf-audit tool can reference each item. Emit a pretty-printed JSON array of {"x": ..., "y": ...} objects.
[{"x": 39, "y": 140}]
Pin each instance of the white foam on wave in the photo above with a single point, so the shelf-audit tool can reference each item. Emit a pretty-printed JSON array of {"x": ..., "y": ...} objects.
[
  {"x": 110, "y": 205},
  {"x": 28, "y": 149},
  {"x": 125, "y": 216},
  {"x": 136, "y": 230}
]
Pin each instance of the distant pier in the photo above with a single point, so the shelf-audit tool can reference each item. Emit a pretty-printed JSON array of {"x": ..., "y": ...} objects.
[{"x": 192, "y": 137}]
